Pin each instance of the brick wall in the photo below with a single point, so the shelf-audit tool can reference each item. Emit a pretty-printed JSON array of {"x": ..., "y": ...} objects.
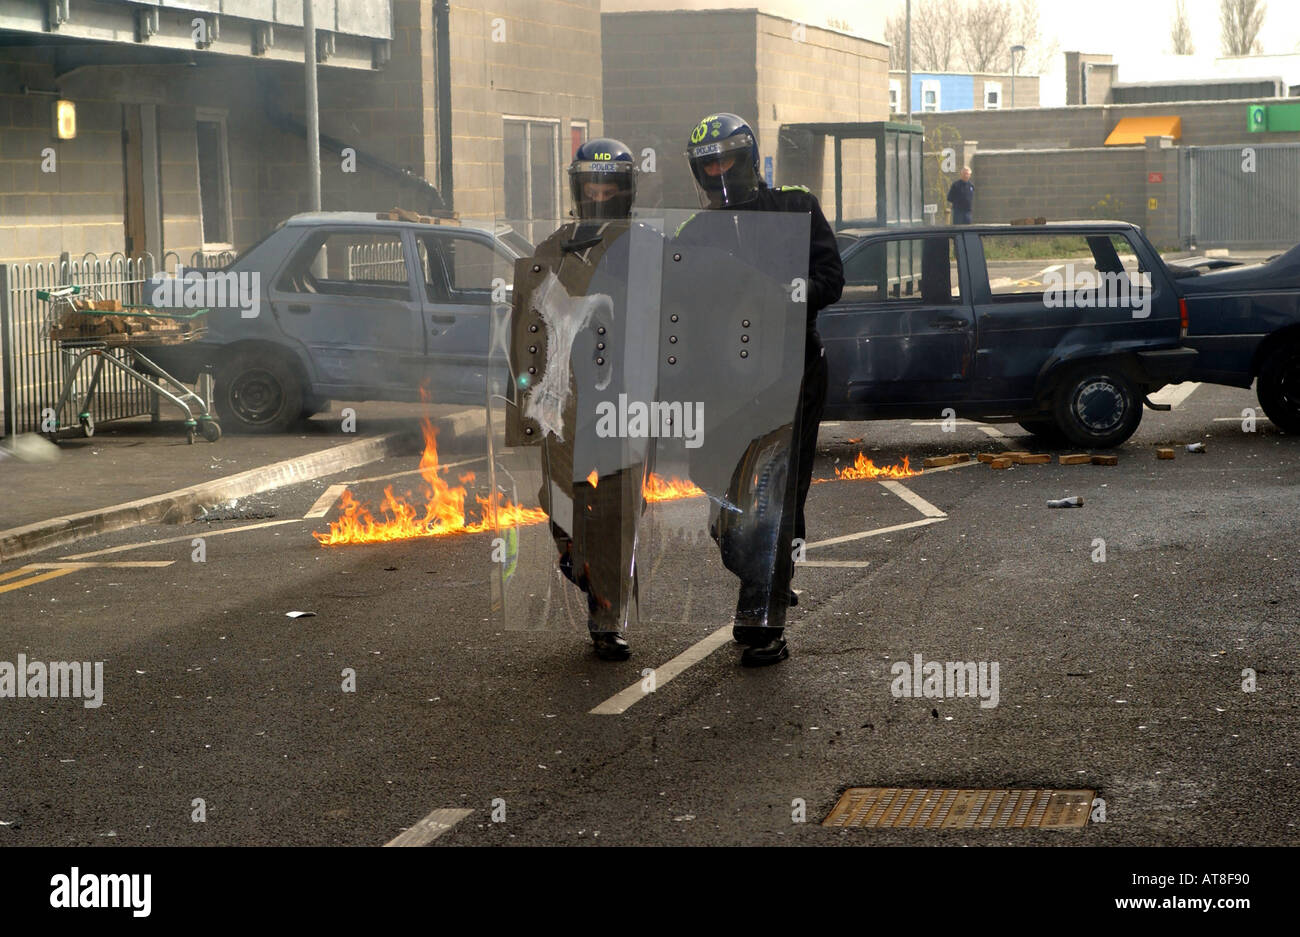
[
  {"x": 80, "y": 208},
  {"x": 1204, "y": 124},
  {"x": 1060, "y": 184},
  {"x": 662, "y": 73},
  {"x": 821, "y": 76},
  {"x": 547, "y": 65}
]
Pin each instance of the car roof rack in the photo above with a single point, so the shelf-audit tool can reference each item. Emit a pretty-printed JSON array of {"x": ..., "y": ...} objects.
[{"x": 437, "y": 216}]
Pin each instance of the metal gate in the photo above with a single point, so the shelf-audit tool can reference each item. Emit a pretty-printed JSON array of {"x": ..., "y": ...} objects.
[
  {"x": 1240, "y": 196},
  {"x": 31, "y": 366}
]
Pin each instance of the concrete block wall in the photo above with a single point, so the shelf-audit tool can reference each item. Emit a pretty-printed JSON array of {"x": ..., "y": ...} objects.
[
  {"x": 1062, "y": 185},
  {"x": 1203, "y": 124},
  {"x": 665, "y": 71},
  {"x": 547, "y": 65},
  {"x": 81, "y": 207},
  {"x": 817, "y": 75},
  {"x": 43, "y": 213}
]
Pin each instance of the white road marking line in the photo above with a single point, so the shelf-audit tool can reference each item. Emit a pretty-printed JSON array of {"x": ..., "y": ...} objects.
[
  {"x": 326, "y": 501},
  {"x": 430, "y": 828},
  {"x": 942, "y": 423},
  {"x": 1051, "y": 269},
  {"x": 912, "y": 498},
  {"x": 862, "y": 535},
  {"x": 135, "y": 564},
  {"x": 623, "y": 700},
  {"x": 949, "y": 468},
  {"x": 415, "y": 471},
  {"x": 1175, "y": 394},
  {"x": 835, "y": 564},
  {"x": 994, "y": 432},
  {"x": 191, "y": 536}
]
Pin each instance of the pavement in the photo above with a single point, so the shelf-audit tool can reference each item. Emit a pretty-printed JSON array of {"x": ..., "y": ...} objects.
[
  {"x": 1160, "y": 673},
  {"x": 137, "y": 471}
]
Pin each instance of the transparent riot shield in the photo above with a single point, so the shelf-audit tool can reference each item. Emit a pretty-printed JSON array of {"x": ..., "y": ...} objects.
[
  {"x": 573, "y": 338},
  {"x": 715, "y": 543}
]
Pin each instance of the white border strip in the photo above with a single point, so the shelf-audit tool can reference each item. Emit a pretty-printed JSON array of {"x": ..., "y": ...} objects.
[
  {"x": 623, "y": 700},
  {"x": 430, "y": 828},
  {"x": 912, "y": 498}
]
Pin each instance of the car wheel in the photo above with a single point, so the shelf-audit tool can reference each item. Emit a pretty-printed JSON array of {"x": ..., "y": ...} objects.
[
  {"x": 314, "y": 405},
  {"x": 1097, "y": 407},
  {"x": 258, "y": 392},
  {"x": 1045, "y": 430},
  {"x": 1278, "y": 388}
]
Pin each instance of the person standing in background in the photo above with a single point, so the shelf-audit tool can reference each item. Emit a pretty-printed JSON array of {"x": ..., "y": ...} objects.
[{"x": 962, "y": 196}]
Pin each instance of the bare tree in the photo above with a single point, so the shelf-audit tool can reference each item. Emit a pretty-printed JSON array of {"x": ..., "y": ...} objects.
[
  {"x": 1240, "y": 22},
  {"x": 1039, "y": 51},
  {"x": 1181, "y": 32},
  {"x": 936, "y": 28},
  {"x": 948, "y": 35},
  {"x": 985, "y": 36},
  {"x": 896, "y": 36}
]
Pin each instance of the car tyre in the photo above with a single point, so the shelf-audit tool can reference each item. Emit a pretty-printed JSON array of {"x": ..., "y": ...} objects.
[
  {"x": 1278, "y": 388},
  {"x": 1046, "y": 430},
  {"x": 258, "y": 392},
  {"x": 1097, "y": 407}
]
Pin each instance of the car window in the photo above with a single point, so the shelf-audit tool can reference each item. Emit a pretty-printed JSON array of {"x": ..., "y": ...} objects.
[
  {"x": 349, "y": 263},
  {"x": 1030, "y": 265},
  {"x": 915, "y": 270},
  {"x": 459, "y": 268}
]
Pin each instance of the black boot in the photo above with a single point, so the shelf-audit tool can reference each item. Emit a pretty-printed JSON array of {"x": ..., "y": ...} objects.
[
  {"x": 772, "y": 652},
  {"x": 610, "y": 645}
]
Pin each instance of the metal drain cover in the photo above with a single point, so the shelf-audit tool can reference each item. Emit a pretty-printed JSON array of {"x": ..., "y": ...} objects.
[{"x": 962, "y": 809}]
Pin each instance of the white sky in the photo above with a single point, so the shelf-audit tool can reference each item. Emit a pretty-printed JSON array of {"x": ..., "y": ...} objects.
[{"x": 1135, "y": 32}]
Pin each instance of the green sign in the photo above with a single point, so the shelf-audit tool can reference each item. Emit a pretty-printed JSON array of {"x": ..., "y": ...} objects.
[{"x": 1273, "y": 118}]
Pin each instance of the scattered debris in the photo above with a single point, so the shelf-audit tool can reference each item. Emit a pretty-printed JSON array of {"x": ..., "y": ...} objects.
[
  {"x": 1036, "y": 458},
  {"x": 1196, "y": 447},
  {"x": 1001, "y": 463},
  {"x": 941, "y": 460},
  {"x": 1074, "y": 501},
  {"x": 1078, "y": 458},
  {"x": 1105, "y": 460},
  {"x": 1165, "y": 452},
  {"x": 986, "y": 456},
  {"x": 299, "y": 614}
]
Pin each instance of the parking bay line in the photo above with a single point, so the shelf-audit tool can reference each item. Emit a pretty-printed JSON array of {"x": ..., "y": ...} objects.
[
  {"x": 430, "y": 828},
  {"x": 623, "y": 700},
  {"x": 189, "y": 536},
  {"x": 1175, "y": 394},
  {"x": 331, "y": 494}
]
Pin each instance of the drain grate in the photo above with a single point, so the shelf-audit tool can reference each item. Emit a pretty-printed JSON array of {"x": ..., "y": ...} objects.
[{"x": 961, "y": 808}]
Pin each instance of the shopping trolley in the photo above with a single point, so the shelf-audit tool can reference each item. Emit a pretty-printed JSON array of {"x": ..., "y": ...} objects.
[{"x": 87, "y": 328}]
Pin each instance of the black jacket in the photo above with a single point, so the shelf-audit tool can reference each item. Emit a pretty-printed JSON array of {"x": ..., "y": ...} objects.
[{"x": 825, "y": 271}]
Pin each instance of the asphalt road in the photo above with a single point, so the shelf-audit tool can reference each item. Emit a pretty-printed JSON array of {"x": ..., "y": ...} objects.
[{"x": 1124, "y": 676}]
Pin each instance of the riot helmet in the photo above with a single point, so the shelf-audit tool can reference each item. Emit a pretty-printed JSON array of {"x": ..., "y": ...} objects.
[
  {"x": 723, "y": 154},
  {"x": 602, "y": 180}
]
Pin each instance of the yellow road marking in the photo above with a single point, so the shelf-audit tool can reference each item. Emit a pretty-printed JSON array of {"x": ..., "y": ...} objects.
[{"x": 52, "y": 574}]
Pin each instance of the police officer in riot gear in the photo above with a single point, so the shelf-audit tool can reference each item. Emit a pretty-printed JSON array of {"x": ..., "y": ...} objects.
[
  {"x": 724, "y": 161},
  {"x": 592, "y": 517}
]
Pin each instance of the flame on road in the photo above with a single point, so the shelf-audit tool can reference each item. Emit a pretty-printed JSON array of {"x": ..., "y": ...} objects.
[
  {"x": 444, "y": 510},
  {"x": 658, "y": 488},
  {"x": 864, "y": 468}
]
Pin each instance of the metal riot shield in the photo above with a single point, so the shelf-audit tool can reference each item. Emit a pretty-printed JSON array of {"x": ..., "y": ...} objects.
[
  {"x": 716, "y": 543},
  {"x": 578, "y": 336}
]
